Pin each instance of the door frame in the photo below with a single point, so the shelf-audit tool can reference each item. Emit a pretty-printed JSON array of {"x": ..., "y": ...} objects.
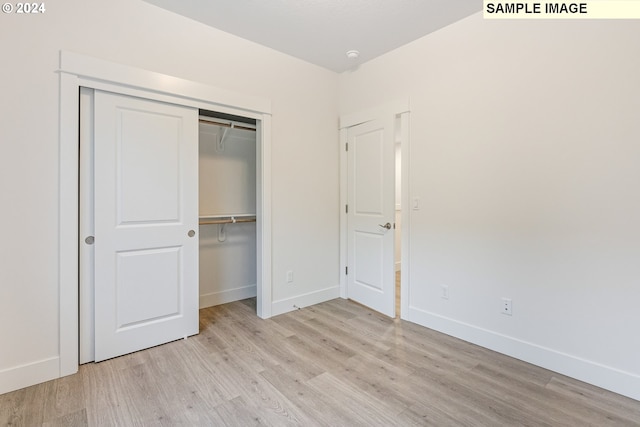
[
  {"x": 77, "y": 71},
  {"x": 400, "y": 109}
]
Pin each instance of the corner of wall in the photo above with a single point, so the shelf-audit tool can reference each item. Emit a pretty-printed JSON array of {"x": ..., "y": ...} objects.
[
  {"x": 300, "y": 301},
  {"x": 612, "y": 379}
]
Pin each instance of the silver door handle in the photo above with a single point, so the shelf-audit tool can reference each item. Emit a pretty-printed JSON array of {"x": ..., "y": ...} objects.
[{"x": 387, "y": 226}]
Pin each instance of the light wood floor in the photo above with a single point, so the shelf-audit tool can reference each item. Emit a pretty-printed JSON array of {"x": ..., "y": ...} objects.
[{"x": 333, "y": 364}]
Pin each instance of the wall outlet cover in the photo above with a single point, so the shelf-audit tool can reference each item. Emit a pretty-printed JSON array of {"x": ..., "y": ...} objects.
[{"x": 507, "y": 307}]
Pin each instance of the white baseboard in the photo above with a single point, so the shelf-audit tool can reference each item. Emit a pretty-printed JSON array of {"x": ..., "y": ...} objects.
[
  {"x": 300, "y": 301},
  {"x": 29, "y": 374},
  {"x": 612, "y": 379},
  {"x": 223, "y": 297}
]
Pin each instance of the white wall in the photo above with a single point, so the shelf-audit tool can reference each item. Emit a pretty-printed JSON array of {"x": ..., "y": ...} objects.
[
  {"x": 227, "y": 186},
  {"x": 525, "y": 154},
  {"x": 304, "y": 153}
]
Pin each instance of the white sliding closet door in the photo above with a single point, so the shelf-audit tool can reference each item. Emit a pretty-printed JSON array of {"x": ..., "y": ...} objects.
[{"x": 146, "y": 223}]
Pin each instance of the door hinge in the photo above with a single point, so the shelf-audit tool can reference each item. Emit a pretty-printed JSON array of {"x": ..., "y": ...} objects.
[
  {"x": 346, "y": 270},
  {"x": 394, "y": 225},
  {"x": 346, "y": 208},
  {"x": 346, "y": 146}
]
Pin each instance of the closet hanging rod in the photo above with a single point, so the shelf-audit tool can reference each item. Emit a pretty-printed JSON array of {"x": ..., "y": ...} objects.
[
  {"x": 226, "y": 219},
  {"x": 232, "y": 125},
  {"x": 223, "y": 216}
]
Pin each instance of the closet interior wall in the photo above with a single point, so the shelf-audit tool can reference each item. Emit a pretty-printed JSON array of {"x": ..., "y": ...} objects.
[{"x": 227, "y": 189}]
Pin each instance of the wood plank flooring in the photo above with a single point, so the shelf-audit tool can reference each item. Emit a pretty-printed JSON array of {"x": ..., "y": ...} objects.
[{"x": 333, "y": 364}]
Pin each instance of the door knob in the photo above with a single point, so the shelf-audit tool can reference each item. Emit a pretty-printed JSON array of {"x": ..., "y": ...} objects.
[
  {"x": 387, "y": 226},
  {"x": 191, "y": 233}
]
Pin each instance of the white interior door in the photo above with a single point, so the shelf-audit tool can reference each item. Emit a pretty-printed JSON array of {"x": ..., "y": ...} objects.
[
  {"x": 146, "y": 223},
  {"x": 370, "y": 216}
]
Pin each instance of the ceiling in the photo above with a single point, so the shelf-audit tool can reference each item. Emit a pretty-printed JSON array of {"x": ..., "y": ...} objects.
[{"x": 322, "y": 31}]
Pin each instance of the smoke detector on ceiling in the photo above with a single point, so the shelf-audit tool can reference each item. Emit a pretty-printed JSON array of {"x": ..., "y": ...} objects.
[{"x": 353, "y": 54}]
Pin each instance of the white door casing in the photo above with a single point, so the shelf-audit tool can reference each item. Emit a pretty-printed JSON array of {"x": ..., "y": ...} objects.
[
  {"x": 146, "y": 223},
  {"x": 86, "y": 228},
  {"x": 370, "y": 215}
]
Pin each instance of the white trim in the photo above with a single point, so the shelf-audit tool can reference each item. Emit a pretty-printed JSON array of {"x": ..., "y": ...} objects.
[
  {"x": 135, "y": 78},
  {"x": 29, "y": 374},
  {"x": 609, "y": 378},
  {"x": 79, "y": 70},
  {"x": 230, "y": 295},
  {"x": 86, "y": 272},
  {"x": 343, "y": 213},
  {"x": 305, "y": 300},
  {"x": 405, "y": 214},
  {"x": 263, "y": 218},
  {"x": 68, "y": 224},
  {"x": 395, "y": 107}
]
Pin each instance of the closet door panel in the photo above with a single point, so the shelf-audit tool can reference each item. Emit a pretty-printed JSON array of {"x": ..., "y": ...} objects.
[
  {"x": 146, "y": 215},
  {"x": 148, "y": 164}
]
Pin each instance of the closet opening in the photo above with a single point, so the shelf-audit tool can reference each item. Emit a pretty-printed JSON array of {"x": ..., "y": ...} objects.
[
  {"x": 133, "y": 152},
  {"x": 227, "y": 208}
]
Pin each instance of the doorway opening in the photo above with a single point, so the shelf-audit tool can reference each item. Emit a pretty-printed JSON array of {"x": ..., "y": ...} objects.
[
  {"x": 227, "y": 208},
  {"x": 374, "y": 223}
]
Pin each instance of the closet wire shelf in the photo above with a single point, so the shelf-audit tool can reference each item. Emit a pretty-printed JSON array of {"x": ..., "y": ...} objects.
[{"x": 226, "y": 219}]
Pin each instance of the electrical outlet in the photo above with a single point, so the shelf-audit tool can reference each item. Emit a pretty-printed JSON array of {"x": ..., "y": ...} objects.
[
  {"x": 289, "y": 276},
  {"x": 506, "y": 306},
  {"x": 444, "y": 291}
]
